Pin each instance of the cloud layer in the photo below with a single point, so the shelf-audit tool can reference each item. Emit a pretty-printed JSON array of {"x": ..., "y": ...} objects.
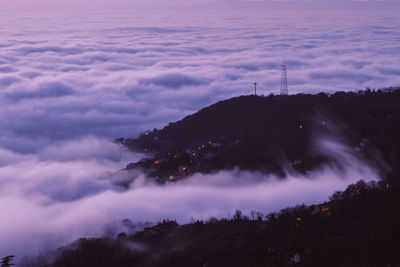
[
  {"x": 64, "y": 192},
  {"x": 64, "y": 77},
  {"x": 117, "y": 74}
]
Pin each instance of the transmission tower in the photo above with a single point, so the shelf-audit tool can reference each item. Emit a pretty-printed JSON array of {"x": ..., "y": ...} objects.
[
  {"x": 284, "y": 88},
  {"x": 255, "y": 88}
]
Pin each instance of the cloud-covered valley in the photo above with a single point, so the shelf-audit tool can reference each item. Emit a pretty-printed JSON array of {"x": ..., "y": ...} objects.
[
  {"x": 66, "y": 191},
  {"x": 116, "y": 74},
  {"x": 71, "y": 82}
]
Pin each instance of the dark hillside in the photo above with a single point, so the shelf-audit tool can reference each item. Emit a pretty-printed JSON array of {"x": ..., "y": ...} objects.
[
  {"x": 358, "y": 227},
  {"x": 273, "y": 134}
]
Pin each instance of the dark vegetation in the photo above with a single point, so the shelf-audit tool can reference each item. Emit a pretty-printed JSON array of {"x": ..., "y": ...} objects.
[
  {"x": 273, "y": 134},
  {"x": 7, "y": 261},
  {"x": 357, "y": 227}
]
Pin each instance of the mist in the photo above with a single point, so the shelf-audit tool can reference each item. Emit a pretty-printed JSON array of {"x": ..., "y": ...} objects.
[
  {"x": 70, "y": 190},
  {"x": 71, "y": 82}
]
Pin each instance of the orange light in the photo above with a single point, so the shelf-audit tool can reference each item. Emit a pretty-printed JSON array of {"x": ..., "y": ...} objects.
[
  {"x": 301, "y": 126},
  {"x": 324, "y": 208},
  {"x": 298, "y": 219},
  {"x": 156, "y": 162}
]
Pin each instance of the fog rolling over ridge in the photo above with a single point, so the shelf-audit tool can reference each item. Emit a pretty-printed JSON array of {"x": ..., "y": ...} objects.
[
  {"x": 59, "y": 197},
  {"x": 71, "y": 82}
]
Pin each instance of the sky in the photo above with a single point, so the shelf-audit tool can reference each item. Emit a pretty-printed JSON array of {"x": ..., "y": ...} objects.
[
  {"x": 75, "y": 75},
  {"x": 193, "y": 4}
]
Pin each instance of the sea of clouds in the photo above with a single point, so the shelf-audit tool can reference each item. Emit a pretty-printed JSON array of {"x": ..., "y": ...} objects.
[
  {"x": 71, "y": 82},
  {"x": 116, "y": 74}
]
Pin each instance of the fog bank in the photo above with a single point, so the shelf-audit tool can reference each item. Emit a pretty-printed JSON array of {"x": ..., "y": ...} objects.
[{"x": 69, "y": 190}]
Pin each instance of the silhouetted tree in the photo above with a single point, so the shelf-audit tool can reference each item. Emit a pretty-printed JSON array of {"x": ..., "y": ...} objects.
[
  {"x": 238, "y": 215},
  {"x": 6, "y": 261}
]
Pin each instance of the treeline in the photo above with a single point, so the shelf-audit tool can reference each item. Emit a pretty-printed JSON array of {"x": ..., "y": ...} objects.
[{"x": 357, "y": 227}]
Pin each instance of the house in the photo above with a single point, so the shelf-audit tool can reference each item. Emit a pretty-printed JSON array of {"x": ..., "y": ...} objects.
[{"x": 320, "y": 209}]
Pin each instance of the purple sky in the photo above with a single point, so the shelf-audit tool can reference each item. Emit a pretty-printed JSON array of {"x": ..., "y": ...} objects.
[{"x": 207, "y": 4}]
